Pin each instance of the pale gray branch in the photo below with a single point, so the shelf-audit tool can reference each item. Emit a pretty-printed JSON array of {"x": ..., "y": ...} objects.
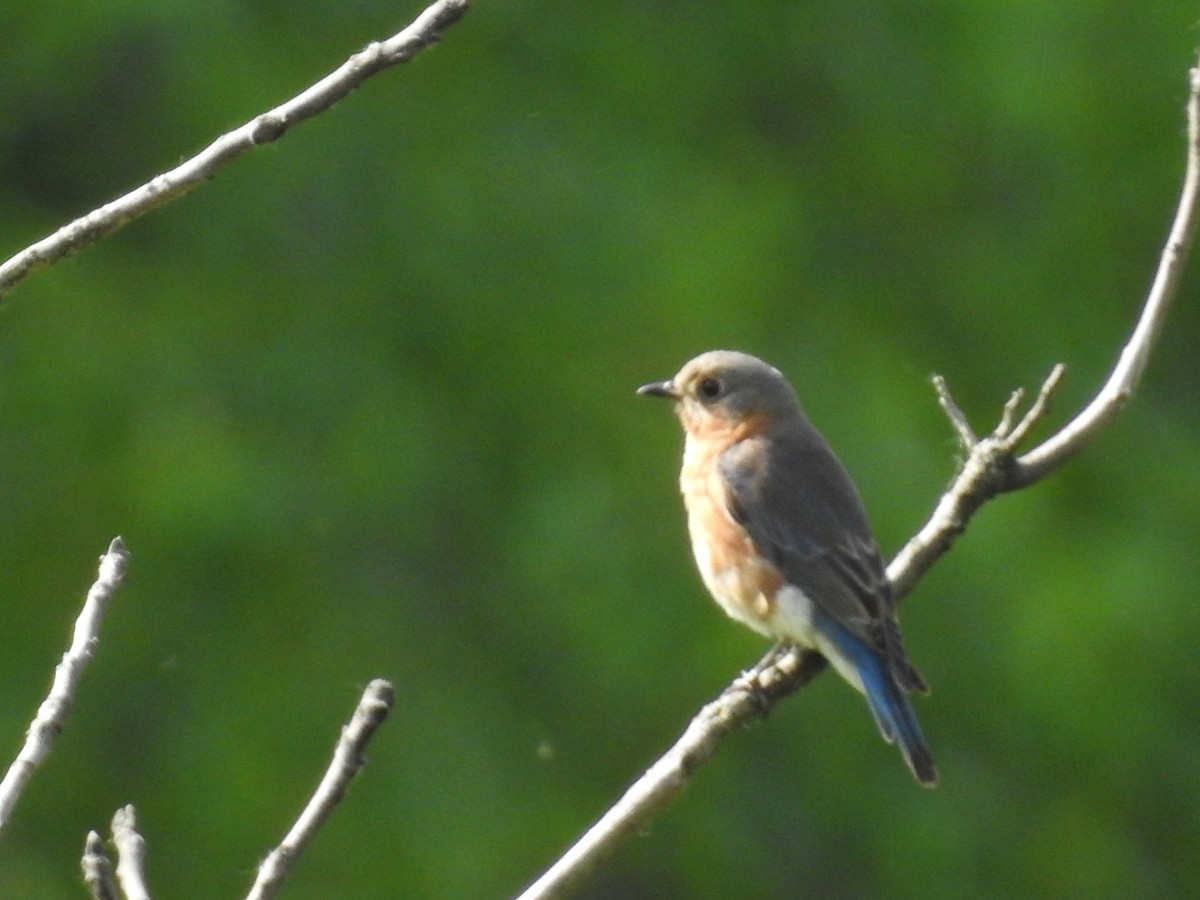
[
  {"x": 1115, "y": 393},
  {"x": 372, "y": 709},
  {"x": 131, "y": 854},
  {"x": 52, "y": 714},
  {"x": 990, "y": 467},
  {"x": 426, "y": 29},
  {"x": 97, "y": 869},
  {"x": 780, "y": 673}
]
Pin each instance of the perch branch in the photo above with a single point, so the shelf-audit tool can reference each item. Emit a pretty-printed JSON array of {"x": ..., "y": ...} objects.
[
  {"x": 425, "y": 30},
  {"x": 741, "y": 703},
  {"x": 372, "y": 709},
  {"x": 991, "y": 467},
  {"x": 52, "y": 714}
]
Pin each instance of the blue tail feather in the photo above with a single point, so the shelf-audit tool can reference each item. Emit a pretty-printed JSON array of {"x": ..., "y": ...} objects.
[
  {"x": 893, "y": 713},
  {"x": 897, "y": 722}
]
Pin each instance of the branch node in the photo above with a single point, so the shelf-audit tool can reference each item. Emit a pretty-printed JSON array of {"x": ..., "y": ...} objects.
[{"x": 267, "y": 127}]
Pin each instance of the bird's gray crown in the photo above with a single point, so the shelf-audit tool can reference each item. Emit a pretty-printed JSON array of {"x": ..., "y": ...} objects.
[{"x": 735, "y": 384}]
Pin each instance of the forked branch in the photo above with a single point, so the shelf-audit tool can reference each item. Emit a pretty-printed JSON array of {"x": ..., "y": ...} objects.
[{"x": 991, "y": 466}]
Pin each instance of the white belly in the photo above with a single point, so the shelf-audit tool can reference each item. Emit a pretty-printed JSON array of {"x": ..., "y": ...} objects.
[
  {"x": 794, "y": 622},
  {"x": 793, "y": 618}
]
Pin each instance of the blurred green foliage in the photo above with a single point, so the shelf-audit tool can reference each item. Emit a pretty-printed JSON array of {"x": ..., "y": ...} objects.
[{"x": 363, "y": 406}]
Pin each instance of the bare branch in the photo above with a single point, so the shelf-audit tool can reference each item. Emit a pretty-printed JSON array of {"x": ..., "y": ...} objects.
[
  {"x": 425, "y": 30},
  {"x": 1111, "y": 399},
  {"x": 52, "y": 714},
  {"x": 97, "y": 869},
  {"x": 373, "y": 708},
  {"x": 780, "y": 673},
  {"x": 991, "y": 467},
  {"x": 131, "y": 854}
]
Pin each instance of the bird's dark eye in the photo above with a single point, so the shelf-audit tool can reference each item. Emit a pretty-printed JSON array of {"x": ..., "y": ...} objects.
[{"x": 709, "y": 388}]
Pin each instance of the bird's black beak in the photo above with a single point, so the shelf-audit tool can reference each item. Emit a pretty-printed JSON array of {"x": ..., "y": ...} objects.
[{"x": 659, "y": 389}]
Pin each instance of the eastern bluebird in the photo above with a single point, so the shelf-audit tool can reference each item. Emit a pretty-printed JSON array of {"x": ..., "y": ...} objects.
[{"x": 781, "y": 537}]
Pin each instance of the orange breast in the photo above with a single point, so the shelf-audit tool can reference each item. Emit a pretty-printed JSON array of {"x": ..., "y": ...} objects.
[{"x": 740, "y": 580}]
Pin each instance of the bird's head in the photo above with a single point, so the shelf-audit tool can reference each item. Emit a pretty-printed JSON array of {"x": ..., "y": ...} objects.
[{"x": 726, "y": 392}]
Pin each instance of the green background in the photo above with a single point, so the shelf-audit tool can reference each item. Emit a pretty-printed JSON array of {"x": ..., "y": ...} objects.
[{"x": 363, "y": 407}]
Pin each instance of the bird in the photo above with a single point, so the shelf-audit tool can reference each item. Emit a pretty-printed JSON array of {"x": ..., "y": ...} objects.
[{"x": 781, "y": 537}]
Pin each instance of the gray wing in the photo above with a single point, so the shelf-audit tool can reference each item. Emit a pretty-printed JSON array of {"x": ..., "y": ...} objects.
[{"x": 803, "y": 513}]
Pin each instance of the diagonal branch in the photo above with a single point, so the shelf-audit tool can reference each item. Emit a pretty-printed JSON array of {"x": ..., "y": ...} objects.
[
  {"x": 425, "y": 30},
  {"x": 781, "y": 672},
  {"x": 52, "y": 714},
  {"x": 348, "y": 758},
  {"x": 991, "y": 467}
]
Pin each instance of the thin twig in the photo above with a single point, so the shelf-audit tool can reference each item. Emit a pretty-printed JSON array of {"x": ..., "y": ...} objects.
[
  {"x": 131, "y": 854},
  {"x": 425, "y": 30},
  {"x": 966, "y": 435},
  {"x": 990, "y": 468},
  {"x": 97, "y": 869},
  {"x": 1008, "y": 416},
  {"x": 1038, "y": 410},
  {"x": 373, "y": 708},
  {"x": 52, "y": 714}
]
